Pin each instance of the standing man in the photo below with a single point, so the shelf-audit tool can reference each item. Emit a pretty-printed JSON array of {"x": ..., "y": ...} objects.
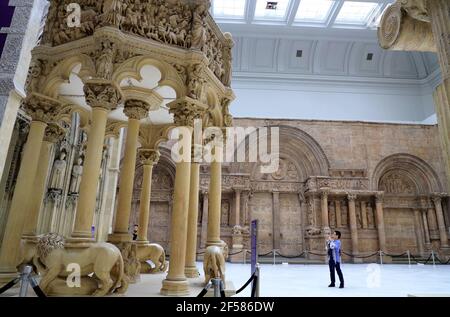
[
  {"x": 135, "y": 232},
  {"x": 334, "y": 258}
]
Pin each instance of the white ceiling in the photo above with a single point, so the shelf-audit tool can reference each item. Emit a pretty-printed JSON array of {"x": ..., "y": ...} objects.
[{"x": 267, "y": 48}]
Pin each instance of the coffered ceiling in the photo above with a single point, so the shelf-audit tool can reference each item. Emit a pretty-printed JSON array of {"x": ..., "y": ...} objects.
[{"x": 317, "y": 40}]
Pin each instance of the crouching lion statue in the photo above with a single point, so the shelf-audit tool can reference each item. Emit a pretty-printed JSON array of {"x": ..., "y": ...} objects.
[
  {"x": 155, "y": 253},
  {"x": 214, "y": 262},
  {"x": 104, "y": 260}
]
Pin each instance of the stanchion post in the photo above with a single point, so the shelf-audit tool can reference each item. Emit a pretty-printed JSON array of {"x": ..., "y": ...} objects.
[
  {"x": 432, "y": 256},
  {"x": 381, "y": 257},
  {"x": 245, "y": 254},
  {"x": 409, "y": 258},
  {"x": 258, "y": 280},
  {"x": 273, "y": 251},
  {"x": 216, "y": 284},
  {"x": 24, "y": 281}
]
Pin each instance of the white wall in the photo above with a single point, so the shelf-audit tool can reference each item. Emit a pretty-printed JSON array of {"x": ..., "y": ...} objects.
[{"x": 331, "y": 105}]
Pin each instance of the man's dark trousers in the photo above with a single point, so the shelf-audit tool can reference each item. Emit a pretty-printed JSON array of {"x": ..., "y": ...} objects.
[{"x": 335, "y": 265}]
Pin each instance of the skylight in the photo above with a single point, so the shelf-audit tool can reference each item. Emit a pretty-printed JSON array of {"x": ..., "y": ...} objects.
[
  {"x": 314, "y": 10},
  {"x": 356, "y": 12},
  {"x": 232, "y": 9},
  {"x": 271, "y": 10}
]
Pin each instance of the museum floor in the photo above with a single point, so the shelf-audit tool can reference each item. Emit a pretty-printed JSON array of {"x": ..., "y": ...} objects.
[{"x": 395, "y": 280}]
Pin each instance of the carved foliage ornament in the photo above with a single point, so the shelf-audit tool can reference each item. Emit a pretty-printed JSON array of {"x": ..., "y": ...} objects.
[
  {"x": 148, "y": 157},
  {"x": 41, "y": 108},
  {"x": 136, "y": 109},
  {"x": 102, "y": 94},
  {"x": 54, "y": 133},
  {"x": 185, "y": 112}
]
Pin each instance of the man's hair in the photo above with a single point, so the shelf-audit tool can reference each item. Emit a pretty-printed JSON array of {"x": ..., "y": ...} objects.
[
  {"x": 338, "y": 233},
  {"x": 136, "y": 225}
]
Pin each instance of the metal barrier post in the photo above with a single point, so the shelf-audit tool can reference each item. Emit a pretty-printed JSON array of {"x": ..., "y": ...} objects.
[
  {"x": 381, "y": 257},
  {"x": 24, "y": 281},
  {"x": 245, "y": 255},
  {"x": 409, "y": 258},
  {"x": 274, "y": 252},
  {"x": 216, "y": 284},
  {"x": 432, "y": 256}
]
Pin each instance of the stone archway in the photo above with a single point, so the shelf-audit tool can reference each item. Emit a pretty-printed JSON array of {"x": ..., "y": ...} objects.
[
  {"x": 276, "y": 199},
  {"x": 409, "y": 209}
]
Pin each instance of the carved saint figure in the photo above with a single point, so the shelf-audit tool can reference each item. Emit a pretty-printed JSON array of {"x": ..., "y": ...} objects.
[
  {"x": 105, "y": 60},
  {"x": 198, "y": 27},
  {"x": 75, "y": 181},
  {"x": 59, "y": 167}
]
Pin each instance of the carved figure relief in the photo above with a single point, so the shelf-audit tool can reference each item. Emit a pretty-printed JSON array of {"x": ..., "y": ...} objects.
[
  {"x": 396, "y": 183},
  {"x": 77, "y": 171},
  {"x": 225, "y": 213},
  {"x": 58, "y": 170}
]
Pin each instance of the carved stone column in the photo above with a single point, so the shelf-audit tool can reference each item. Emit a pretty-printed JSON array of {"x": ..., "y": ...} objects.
[
  {"x": 190, "y": 269},
  {"x": 440, "y": 219},
  {"x": 215, "y": 197},
  {"x": 422, "y": 25},
  {"x": 41, "y": 109},
  {"x": 149, "y": 158},
  {"x": 185, "y": 111},
  {"x": 53, "y": 133},
  {"x": 135, "y": 110},
  {"x": 204, "y": 232},
  {"x": 337, "y": 205},
  {"x": 379, "y": 219},
  {"x": 353, "y": 225},
  {"x": 426, "y": 229},
  {"x": 363, "y": 215},
  {"x": 237, "y": 206},
  {"x": 276, "y": 220},
  {"x": 324, "y": 208},
  {"x": 103, "y": 96},
  {"x": 419, "y": 232}
]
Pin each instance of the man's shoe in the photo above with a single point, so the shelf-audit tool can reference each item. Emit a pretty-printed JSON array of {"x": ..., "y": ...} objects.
[
  {"x": 331, "y": 285},
  {"x": 341, "y": 286}
]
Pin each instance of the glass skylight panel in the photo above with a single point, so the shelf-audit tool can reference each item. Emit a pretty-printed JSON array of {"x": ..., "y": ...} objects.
[
  {"x": 231, "y": 9},
  {"x": 356, "y": 12},
  {"x": 271, "y": 10},
  {"x": 314, "y": 10}
]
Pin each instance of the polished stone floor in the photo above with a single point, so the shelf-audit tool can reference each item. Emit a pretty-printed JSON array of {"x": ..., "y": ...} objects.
[{"x": 297, "y": 280}]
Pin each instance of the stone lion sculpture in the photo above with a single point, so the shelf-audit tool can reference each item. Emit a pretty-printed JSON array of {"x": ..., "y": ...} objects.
[
  {"x": 102, "y": 259},
  {"x": 155, "y": 253},
  {"x": 214, "y": 262}
]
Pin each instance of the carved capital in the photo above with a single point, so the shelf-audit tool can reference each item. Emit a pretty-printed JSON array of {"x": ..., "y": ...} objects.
[
  {"x": 186, "y": 110},
  {"x": 351, "y": 197},
  {"x": 102, "y": 94},
  {"x": 437, "y": 199},
  {"x": 325, "y": 192},
  {"x": 41, "y": 108},
  {"x": 148, "y": 157},
  {"x": 54, "y": 133},
  {"x": 379, "y": 197},
  {"x": 136, "y": 109}
]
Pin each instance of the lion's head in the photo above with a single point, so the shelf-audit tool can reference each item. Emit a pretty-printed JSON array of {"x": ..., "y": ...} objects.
[{"x": 49, "y": 242}]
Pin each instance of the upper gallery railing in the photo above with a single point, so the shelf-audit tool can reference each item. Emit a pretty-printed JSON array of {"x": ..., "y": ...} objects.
[{"x": 185, "y": 24}]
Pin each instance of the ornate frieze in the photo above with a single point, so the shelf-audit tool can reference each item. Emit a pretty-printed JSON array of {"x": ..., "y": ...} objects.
[
  {"x": 186, "y": 25},
  {"x": 337, "y": 183},
  {"x": 229, "y": 182}
]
